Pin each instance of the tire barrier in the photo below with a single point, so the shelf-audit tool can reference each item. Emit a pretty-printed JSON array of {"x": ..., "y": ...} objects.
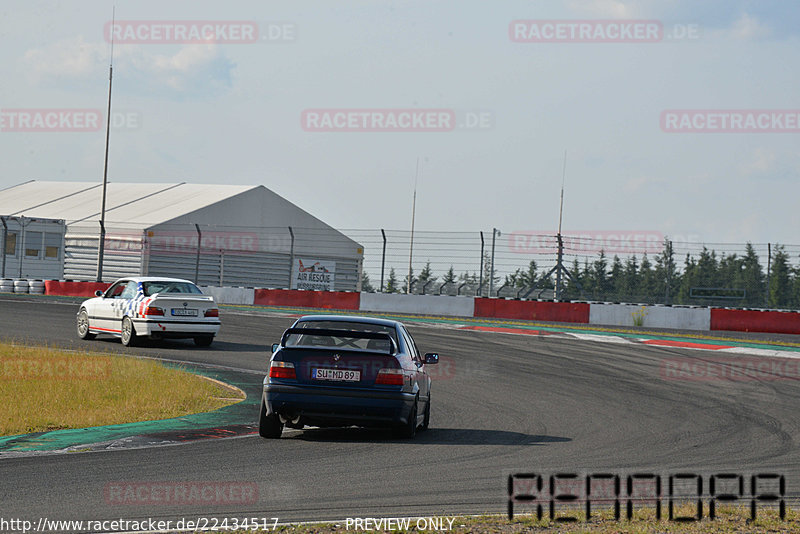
[
  {"x": 36, "y": 287},
  {"x": 21, "y": 286}
]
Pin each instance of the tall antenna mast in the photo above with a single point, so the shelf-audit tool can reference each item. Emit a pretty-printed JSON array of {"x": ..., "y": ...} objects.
[
  {"x": 413, "y": 218},
  {"x": 102, "y": 243},
  {"x": 563, "y": 178},
  {"x": 560, "y": 258},
  {"x": 559, "y": 268}
]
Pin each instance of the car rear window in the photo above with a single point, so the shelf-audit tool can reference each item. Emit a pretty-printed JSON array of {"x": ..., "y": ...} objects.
[
  {"x": 159, "y": 286},
  {"x": 343, "y": 342}
]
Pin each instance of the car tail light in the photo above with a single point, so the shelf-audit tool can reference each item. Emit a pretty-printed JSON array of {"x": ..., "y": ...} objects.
[
  {"x": 153, "y": 310},
  {"x": 212, "y": 312},
  {"x": 282, "y": 370},
  {"x": 390, "y": 377}
]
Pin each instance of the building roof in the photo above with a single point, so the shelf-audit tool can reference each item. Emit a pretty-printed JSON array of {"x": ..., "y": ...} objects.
[{"x": 136, "y": 205}]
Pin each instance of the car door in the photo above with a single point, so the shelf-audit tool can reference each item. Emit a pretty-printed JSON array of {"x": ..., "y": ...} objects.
[
  {"x": 123, "y": 304},
  {"x": 104, "y": 317},
  {"x": 420, "y": 377}
]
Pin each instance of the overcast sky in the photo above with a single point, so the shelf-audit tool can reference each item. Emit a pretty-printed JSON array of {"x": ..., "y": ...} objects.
[{"x": 505, "y": 108}]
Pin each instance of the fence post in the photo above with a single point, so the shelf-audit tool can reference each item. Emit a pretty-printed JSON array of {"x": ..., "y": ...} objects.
[
  {"x": 559, "y": 267},
  {"x": 500, "y": 289},
  {"x": 668, "y": 265},
  {"x": 383, "y": 258},
  {"x": 5, "y": 244},
  {"x": 425, "y": 285},
  {"x": 197, "y": 257},
  {"x": 291, "y": 258},
  {"x": 22, "y": 225},
  {"x": 144, "y": 267},
  {"x": 769, "y": 267},
  {"x": 480, "y": 270},
  {"x": 222, "y": 267},
  {"x": 491, "y": 271}
]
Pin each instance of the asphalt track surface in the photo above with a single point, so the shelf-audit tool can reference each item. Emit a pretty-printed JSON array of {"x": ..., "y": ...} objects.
[{"x": 505, "y": 403}]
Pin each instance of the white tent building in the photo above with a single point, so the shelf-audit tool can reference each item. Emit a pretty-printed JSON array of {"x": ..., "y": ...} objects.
[{"x": 226, "y": 235}]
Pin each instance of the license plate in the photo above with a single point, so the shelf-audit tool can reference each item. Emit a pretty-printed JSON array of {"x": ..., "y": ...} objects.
[
  {"x": 184, "y": 312},
  {"x": 339, "y": 375}
]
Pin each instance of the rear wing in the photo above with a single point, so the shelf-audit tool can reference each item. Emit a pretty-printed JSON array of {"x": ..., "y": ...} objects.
[
  {"x": 198, "y": 297},
  {"x": 330, "y": 332}
]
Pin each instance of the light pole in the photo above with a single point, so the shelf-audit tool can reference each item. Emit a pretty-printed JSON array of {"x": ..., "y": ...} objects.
[{"x": 102, "y": 243}]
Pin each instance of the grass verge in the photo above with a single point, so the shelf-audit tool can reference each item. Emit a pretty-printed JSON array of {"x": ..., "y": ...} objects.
[{"x": 50, "y": 389}]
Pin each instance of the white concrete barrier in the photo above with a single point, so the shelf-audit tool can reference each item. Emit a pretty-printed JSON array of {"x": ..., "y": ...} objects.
[
  {"x": 230, "y": 295},
  {"x": 652, "y": 316},
  {"x": 418, "y": 304}
]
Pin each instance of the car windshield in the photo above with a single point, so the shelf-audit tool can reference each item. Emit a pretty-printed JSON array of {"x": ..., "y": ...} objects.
[
  {"x": 165, "y": 286},
  {"x": 344, "y": 342}
]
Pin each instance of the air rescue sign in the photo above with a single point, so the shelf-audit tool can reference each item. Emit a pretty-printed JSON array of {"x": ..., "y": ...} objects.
[{"x": 315, "y": 275}]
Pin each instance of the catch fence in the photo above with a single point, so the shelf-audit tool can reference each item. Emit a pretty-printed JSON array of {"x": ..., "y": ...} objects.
[
  {"x": 634, "y": 267},
  {"x": 643, "y": 267}
]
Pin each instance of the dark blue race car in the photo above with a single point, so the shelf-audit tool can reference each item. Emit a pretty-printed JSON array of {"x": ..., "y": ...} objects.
[{"x": 334, "y": 370}]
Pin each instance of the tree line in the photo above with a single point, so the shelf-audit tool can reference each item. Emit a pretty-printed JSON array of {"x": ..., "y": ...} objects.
[{"x": 706, "y": 279}]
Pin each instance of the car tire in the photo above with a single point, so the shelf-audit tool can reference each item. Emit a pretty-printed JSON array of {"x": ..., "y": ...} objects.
[
  {"x": 203, "y": 341},
  {"x": 427, "y": 420},
  {"x": 409, "y": 430},
  {"x": 269, "y": 426},
  {"x": 128, "y": 332},
  {"x": 83, "y": 326}
]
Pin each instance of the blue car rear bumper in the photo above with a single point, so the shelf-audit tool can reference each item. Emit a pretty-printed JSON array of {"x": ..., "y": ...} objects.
[{"x": 325, "y": 406}]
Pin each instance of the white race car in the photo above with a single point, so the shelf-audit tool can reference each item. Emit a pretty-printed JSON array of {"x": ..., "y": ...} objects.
[{"x": 150, "y": 306}]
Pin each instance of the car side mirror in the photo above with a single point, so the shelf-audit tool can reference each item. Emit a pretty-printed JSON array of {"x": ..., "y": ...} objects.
[
  {"x": 431, "y": 358},
  {"x": 275, "y": 347},
  {"x": 98, "y": 293}
]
